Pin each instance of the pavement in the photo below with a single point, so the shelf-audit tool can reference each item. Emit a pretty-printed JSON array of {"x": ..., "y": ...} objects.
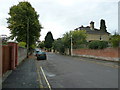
[{"x": 24, "y": 76}]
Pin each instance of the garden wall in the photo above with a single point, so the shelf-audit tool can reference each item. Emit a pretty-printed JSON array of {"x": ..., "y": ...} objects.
[
  {"x": 22, "y": 54},
  {"x": 12, "y": 55},
  {"x": 112, "y": 54}
]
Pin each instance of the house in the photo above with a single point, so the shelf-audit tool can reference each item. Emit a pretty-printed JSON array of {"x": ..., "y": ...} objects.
[
  {"x": 4, "y": 37},
  {"x": 96, "y": 34}
]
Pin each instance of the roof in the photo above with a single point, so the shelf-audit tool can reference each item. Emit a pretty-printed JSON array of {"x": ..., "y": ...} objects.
[{"x": 95, "y": 31}]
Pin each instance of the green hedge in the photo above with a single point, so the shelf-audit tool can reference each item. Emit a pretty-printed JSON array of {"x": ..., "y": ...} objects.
[
  {"x": 115, "y": 40},
  {"x": 98, "y": 44},
  {"x": 22, "y": 44}
]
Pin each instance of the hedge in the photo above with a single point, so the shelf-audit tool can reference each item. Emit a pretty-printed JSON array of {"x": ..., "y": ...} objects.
[{"x": 98, "y": 44}]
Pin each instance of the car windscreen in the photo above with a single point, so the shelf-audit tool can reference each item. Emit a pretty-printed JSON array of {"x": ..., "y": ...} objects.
[
  {"x": 37, "y": 51},
  {"x": 41, "y": 53}
]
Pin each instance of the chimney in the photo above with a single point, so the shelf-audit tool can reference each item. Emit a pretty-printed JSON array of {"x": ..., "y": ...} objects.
[
  {"x": 102, "y": 25},
  {"x": 92, "y": 25}
]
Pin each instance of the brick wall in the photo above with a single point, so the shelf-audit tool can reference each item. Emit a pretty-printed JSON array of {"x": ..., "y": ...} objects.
[
  {"x": 108, "y": 53},
  {"x": 12, "y": 55},
  {"x": 6, "y": 56}
]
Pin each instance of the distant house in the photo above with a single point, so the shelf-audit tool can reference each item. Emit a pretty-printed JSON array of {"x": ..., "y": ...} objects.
[
  {"x": 96, "y": 34},
  {"x": 4, "y": 37}
]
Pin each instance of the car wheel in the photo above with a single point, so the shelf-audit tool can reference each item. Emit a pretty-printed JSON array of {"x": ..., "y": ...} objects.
[
  {"x": 45, "y": 58},
  {"x": 37, "y": 58}
]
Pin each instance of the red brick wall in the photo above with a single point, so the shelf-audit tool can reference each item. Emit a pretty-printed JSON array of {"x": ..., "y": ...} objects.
[
  {"x": 108, "y": 52},
  {"x": 6, "y": 59},
  {"x": 14, "y": 54},
  {"x": 9, "y": 57}
]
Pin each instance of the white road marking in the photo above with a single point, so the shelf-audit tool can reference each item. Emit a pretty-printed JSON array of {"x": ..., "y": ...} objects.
[{"x": 45, "y": 78}]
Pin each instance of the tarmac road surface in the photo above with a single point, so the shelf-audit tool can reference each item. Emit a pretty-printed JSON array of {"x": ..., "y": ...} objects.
[{"x": 76, "y": 72}]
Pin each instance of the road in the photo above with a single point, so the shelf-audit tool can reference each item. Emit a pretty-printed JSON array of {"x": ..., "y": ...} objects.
[{"x": 77, "y": 72}]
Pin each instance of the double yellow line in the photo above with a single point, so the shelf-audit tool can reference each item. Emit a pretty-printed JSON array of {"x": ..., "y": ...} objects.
[{"x": 39, "y": 77}]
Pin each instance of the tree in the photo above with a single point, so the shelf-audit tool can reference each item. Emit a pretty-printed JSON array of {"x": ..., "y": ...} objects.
[
  {"x": 78, "y": 38},
  {"x": 67, "y": 40},
  {"x": 49, "y": 40},
  {"x": 41, "y": 45},
  {"x": 24, "y": 24},
  {"x": 115, "y": 40},
  {"x": 64, "y": 43},
  {"x": 58, "y": 45}
]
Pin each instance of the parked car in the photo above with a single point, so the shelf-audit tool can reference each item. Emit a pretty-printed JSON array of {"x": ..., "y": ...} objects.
[
  {"x": 36, "y": 51},
  {"x": 41, "y": 55}
]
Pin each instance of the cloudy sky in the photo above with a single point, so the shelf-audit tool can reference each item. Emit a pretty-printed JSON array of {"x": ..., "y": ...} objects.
[{"x": 60, "y": 16}]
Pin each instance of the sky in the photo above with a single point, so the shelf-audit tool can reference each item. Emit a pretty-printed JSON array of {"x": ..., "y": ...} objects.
[{"x": 61, "y": 16}]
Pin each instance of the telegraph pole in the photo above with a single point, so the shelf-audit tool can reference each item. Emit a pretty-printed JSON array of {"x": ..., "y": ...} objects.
[
  {"x": 27, "y": 37},
  {"x": 71, "y": 46}
]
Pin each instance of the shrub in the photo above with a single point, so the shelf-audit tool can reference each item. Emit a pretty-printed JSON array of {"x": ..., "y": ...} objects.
[
  {"x": 22, "y": 44},
  {"x": 98, "y": 44},
  {"x": 115, "y": 40}
]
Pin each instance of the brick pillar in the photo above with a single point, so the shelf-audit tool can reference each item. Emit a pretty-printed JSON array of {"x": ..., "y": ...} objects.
[{"x": 14, "y": 56}]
